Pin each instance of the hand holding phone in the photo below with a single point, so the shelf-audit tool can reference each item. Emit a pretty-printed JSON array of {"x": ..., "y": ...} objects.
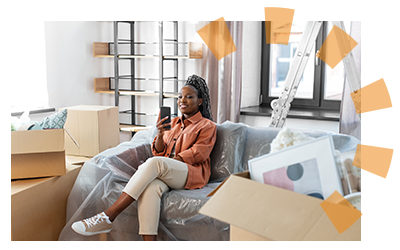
[
  {"x": 163, "y": 124},
  {"x": 166, "y": 112}
]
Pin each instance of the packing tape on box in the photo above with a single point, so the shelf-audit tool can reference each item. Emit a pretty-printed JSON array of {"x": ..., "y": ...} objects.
[{"x": 72, "y": 138}]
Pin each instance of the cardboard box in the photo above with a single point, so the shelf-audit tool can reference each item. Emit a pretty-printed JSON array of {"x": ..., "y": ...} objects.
[
  {"x": 38, "y": 206},
  {"x": 256, "y": 211},
  {"x": 76, "y": 160},
  {"x": 37, "y": 153},
  {"x": 95, "y": 128}
]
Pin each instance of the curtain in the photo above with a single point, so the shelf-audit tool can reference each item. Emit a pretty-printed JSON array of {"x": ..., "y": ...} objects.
[
  {"x": 224, "y": 77},
  {"x": 350, "y": 124}
]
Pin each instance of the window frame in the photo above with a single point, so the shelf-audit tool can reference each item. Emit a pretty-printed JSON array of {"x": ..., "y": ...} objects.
[{"x": 318, "y": 102}]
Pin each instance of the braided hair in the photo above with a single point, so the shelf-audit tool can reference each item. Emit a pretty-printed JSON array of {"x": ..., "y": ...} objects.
[{"x": 201, "y": 88}]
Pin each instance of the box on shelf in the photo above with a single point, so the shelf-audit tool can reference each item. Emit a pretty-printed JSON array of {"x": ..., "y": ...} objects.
[
  {"x": 101, "y": 50},
  {"x": 102, "y": 85},
  {"x": 256, "y": 211},
  {"x": 38, "y": 206},
  {"x": 195, "y": 50},
  {"x": 95, "y": 128},
  {"x": 37, "y": 153}
]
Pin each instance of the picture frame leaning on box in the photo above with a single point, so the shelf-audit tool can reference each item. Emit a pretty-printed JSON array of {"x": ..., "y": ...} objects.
[{"x": 308, "y": 168}]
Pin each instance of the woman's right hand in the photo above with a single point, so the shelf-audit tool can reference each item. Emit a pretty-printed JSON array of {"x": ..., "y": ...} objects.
[
  {"x": 159, "y": 145},
  {"x": 162, "y": 127}
]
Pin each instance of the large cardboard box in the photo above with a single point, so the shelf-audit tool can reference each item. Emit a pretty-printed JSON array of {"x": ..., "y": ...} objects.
[
  {"x": 95, "y": 128},
  {"x": 37, "y": 153},
  {"x": 38, "y": 206},
  {"x": 256, "y": 211}
]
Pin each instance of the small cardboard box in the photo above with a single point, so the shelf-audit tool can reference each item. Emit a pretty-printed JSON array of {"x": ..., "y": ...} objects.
[
  {"x": 38, "y": 206},
  {"x": 95, "y": 128},
  {"x": 37, "y": 153},
  {"x": 256, "y": 211}
]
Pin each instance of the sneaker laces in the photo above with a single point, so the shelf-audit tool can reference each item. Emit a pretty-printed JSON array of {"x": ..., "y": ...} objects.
[{"x": 90, "y": 222}]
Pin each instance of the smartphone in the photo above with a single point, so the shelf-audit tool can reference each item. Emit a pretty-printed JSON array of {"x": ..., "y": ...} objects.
[{"x": 166, "y": 111}]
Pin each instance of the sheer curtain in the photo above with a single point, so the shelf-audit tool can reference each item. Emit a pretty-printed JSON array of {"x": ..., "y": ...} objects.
[
  {"x": 349, "y": 121},
  {"x": 224, "y": 77}
]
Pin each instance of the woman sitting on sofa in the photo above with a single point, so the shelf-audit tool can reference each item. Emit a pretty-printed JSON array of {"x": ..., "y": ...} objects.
[{"x": 182, "y": 161}]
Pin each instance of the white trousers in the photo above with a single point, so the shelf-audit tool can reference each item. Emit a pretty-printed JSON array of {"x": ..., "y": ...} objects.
[{"x": 154, "y": 177}]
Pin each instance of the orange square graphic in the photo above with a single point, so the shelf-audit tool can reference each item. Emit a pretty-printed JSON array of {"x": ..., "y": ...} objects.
[
  {"x": 375, "y": 160},
  {"x": 372, "y": 97},
  {"x": 217, "y": 37},
  {"x": 356, "y": 97},
  {"x": 275, "y": 34},
  {"x": 278, "y": 24},
  {"x": 340, "y": 211},
  {"x": 336, "y": 46}
]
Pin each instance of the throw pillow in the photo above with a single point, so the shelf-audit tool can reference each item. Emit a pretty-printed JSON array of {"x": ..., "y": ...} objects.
[{"x": 55, "y": 121}]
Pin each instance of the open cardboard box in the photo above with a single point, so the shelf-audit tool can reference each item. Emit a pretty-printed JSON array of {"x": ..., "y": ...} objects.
[
  {"x": 37, "y": 153},
  {"x": 256, "y": 211}
]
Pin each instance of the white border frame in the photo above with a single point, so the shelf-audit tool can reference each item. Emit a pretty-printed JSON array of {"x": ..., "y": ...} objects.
[{"x": 321, "y": 149}]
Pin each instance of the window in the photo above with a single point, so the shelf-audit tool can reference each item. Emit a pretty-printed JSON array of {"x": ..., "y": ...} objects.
[
  {"x": 320, "y": 86},
  {"x": 29, "y": 90}
]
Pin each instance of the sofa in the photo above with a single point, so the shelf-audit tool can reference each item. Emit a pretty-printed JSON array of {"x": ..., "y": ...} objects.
[{"x": 103, "y": 178}]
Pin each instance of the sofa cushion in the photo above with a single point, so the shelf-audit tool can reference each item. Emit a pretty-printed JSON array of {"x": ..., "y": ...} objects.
[{"x": 227, "y": 155}]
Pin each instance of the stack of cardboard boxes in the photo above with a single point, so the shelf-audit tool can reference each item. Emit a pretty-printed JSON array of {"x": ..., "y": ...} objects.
[{"x": 45, "y": 164}]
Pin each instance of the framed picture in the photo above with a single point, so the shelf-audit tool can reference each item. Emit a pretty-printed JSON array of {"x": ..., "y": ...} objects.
[{"x": 308, "y": 168}]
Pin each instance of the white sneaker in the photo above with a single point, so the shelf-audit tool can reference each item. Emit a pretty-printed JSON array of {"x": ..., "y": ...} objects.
[{"x": 97, "y": 224}]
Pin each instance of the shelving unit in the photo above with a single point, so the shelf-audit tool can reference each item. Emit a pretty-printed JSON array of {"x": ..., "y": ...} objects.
[{"x": 125, "y": 85}]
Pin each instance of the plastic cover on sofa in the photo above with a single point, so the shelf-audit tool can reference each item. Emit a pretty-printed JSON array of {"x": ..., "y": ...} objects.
[{"x": 102, "y": 179}]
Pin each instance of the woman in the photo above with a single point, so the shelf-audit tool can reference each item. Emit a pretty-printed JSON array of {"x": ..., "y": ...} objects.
[{"x": 181, "y": 161}]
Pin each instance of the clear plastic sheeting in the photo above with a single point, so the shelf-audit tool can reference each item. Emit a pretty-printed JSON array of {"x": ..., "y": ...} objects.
[
  {"x": 99, "y": 184},
  {"x": 237, "y": 143},
  {"x": 258, "y": 141},
  {"x": 103, "y": 178}
]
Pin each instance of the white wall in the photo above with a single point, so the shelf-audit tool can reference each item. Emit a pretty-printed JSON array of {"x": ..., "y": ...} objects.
[{"x": 71, "y": 67}]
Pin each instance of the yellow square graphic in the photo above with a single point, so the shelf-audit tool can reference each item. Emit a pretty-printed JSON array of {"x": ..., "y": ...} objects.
[
  {"x": 277, "y": 32},
  {"x": 375, "y": 160},
  {"x": 372, "y": 97},
  {"x": 336, "y": 46},
  {"x": 217, "y": 37},
  {"x": 340, "y": 211},
  {"x": 278, "y": 24}
]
